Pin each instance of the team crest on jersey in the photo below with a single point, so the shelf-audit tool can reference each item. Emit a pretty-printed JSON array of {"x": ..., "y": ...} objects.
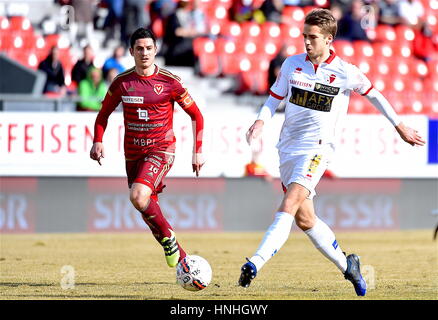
[
  {"x": 298, "y": 70},
  {"x": 158, "y": 88},
  {"x": 330, "y": 78}
]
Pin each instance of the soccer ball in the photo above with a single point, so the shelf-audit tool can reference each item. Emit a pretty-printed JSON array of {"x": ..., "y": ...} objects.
[{"x": 193, "y": 273}]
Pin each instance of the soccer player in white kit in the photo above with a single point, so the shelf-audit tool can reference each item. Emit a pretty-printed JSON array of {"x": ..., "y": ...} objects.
[{"x": 316, "y": 86}]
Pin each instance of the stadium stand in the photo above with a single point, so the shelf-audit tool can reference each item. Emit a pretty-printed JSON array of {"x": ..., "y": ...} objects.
[{"x": 243, "y": 50}]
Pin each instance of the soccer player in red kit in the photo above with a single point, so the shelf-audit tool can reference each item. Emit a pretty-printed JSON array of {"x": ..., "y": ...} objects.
[{"x": 147, "y": 94}]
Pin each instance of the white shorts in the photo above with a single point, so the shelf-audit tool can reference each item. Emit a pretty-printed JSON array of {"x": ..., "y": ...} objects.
[{"x": 304, "y": 167}]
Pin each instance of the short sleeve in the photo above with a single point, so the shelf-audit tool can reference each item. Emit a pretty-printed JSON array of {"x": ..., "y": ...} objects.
[
  {"x": 279, "y": 89},
  {"x": 357, "y": 81}
]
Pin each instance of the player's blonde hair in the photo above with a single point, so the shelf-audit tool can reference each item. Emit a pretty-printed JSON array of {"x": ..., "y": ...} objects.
[{"x": 324, "y": 19}]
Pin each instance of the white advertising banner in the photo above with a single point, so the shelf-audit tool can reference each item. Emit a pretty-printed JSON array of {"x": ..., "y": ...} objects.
[{"x": 58, "y": 144}]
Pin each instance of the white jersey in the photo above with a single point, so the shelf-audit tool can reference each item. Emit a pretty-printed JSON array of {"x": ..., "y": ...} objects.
[{"x": 317, "y": 99}]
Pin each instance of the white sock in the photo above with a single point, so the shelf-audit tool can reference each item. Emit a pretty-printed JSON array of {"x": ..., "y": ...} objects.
[
  {"x": 274, "y": 238},
  {"x": 325, "y": 241}
]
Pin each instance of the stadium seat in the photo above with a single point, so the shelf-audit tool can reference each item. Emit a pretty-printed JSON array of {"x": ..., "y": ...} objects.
[
  {"x": 4, "y": 24},
  {"x": 344, "y": 49},
  {"x": 254, "y": 74},
  {"x": 404, "y": 33},
  {"x": 250, "y": 29},
  {"x": 385, "y": 33},
  {"x": 231, "y": 29},
  {"x": 363, "y": 49},
  {"x": 158, "y": 27},
  {"x": 208, "y": 64},
  {"x": 20, "y": 25},
  {"x": 201, "y": 44},
  {"x": 383, "y": 50},
  {"x": 290, "y": 31},
  {"x": 403, "y": 49},
  {"x": 270, "y": 31},
  {"x": 228, "y": 58},
  {"x": 293, "y": 15},
  {"x": 271, "y": 49},
  {"x": 366, "y": 65}
]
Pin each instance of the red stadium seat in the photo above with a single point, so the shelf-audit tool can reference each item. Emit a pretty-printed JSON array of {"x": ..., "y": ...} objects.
[
  {"x": 4, "y": 24},
  {"x": 383, "y": 50},
  {"x": 20, "y": 25},
  {"x": 208, "y": 64},
  {"x": 231, "y": 29},
  {"x": 293, "y": 15},
  {"x": 366, "y": 65},
  {"x": 254, "y": 75},
  {"x": 404, "y": 33},
  {"x": 270, "y": 31},
  {"x": 291, "y": 33},
  {"x": 363, "y": 49},
  {"x": 344, "y": 49},
  {"x": 385, "y": 33},
  {"x": 250, "y": 29},
  {"x": 203, "y": 44}
]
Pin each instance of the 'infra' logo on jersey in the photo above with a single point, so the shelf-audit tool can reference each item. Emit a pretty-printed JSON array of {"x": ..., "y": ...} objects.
[{"x": 142, "y": 114}]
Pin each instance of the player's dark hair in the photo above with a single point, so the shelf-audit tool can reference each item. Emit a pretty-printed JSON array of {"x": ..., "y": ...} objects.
[
  {"x": 324, "y": 19},
  {"x": 142, "y": 33}
]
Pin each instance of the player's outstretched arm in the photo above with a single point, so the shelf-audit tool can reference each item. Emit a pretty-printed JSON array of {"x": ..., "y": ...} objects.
[
  {"x": 408, "y": 134},
  {"x": 97, "y": 152},
  {"x": 266, "y": 112},
  {"x": 254, "y": 131},
  {"x": 198, "y": 128}
]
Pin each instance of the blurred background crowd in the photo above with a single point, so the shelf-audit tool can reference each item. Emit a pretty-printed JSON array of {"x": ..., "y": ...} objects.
[{"x": 82, "y": 45}]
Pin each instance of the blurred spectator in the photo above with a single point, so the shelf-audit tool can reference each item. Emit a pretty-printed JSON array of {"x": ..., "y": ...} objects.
[
  {"x": 80, "y": 69},
  {"x": 337, "y": 11},
  {"x": 114, "y": 61},
  {"x": 275, "y": 65},
  {"x": 181, "y": 28},
  {"x": 423, "y": 46},
  {"x": 82, "y": 27},
  {"x": 300, "y": 3},
  {"x": 52, "y": 67},
  {"x": 135, "y": 15},
  {"x": 410, "y": 11},
  {"x": 388, "y": 12},
  {"x": 272, "y": 10},
  {"x": 111, "y": 74},
  {"x": 113, "y": 20},
  {"x": 245, "y": 10},
  {"x": 349, "y": 27},
  {"x": 91, "y": 91},
  {"x": 162, "y": 9}
]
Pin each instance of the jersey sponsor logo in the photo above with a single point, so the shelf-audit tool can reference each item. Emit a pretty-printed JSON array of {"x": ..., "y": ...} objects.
[
  {"x": 314, "y": 163},
  {"x": 158, "y": 88},
  {"x": 143, "y": 114},
  {"x": 143, "y": 142},
  {"x": 132, "y": 99},
  {"x": 323, "y": 88},
  {"x": 300, "y": 83},
  {"x": 311, "y": 100}
]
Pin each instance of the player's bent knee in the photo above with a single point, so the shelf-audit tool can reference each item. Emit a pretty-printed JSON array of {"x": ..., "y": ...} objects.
[{"x": 139, "y": 200}]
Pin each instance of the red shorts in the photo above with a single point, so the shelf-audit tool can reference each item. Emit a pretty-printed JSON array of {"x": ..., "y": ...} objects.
[{"x": 150, "y": 170}]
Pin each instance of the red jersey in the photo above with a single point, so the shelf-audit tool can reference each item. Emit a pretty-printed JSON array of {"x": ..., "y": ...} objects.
[{"x": 148, "y": 105}]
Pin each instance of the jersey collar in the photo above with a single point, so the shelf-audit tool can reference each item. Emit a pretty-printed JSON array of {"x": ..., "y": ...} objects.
[{"x": 329, "y": 59}]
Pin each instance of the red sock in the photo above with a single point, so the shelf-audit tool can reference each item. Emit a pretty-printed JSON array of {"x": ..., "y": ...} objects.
[
  {"x": 156, "y": 221},
  {"x": 158, "y": 224}
]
